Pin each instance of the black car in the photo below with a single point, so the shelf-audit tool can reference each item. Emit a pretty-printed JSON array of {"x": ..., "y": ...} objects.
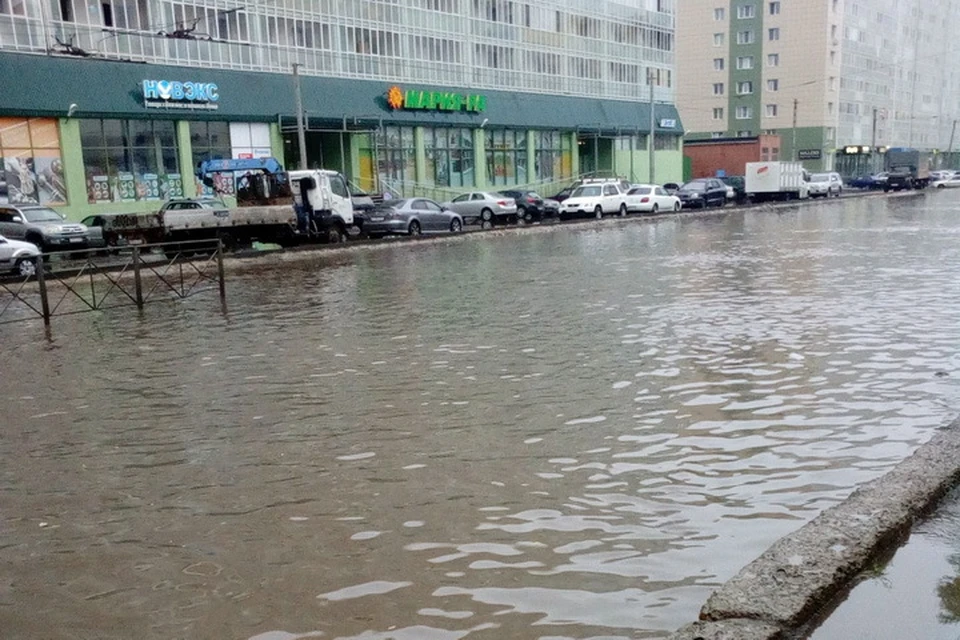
[
  {"x": 739, "y": 187},
  {"x": 563, "y": 194},
  {"x": 529, "y": 204},
  {"x": 671, "y": 188},
  {"x": 702, "y": 192}
]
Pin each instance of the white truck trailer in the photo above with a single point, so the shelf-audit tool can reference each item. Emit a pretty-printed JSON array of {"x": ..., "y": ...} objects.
[{"x": 775, "y": 180}]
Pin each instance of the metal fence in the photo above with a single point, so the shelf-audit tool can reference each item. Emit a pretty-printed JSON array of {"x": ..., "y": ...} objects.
[{"x": 72, "y": 282}]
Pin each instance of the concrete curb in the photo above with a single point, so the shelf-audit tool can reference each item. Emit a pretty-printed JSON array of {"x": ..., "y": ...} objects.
[{"x": 782, "y": 590}]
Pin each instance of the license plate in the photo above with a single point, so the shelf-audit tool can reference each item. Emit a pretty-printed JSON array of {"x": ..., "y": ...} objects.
[{"x": 76, "y": 239}]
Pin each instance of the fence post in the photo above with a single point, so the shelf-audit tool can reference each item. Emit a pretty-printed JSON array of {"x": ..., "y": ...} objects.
[
  {"x": 223, "y": 284},
  {"x": 136, "y": 277},
  {"x": 42, "y": 283}
]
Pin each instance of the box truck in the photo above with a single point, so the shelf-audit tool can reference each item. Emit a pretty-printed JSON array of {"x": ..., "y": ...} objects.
[{"x": 775, "y": 181}]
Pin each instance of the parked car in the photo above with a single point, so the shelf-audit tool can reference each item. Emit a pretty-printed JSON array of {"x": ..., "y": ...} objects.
[
  {"x": 951, "y": 182},
  {"x": 702, "y": 193},
  {"x": 18, "y": 256},
  {"x": 563, "y": 194},
  {"x": 595, "y": 198},
  {"x": 41, "y": 226},
  {"x": 529, "y": 204},
  {"x": 824, "y": 185},
  {"x": 671, "y": 188},
  {"x": 739, "y": 188},
  {"x": 483, "y": 205},
  {"x": 551, "y": 208},
  {"x": 648, "y": 198},
  {"x": 362, "y": 201},
  {"x": 411, "y": 216},
  {"x": 862, "y": 182}
]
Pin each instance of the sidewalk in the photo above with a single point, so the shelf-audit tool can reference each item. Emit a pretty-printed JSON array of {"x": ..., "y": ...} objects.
[{"x": 916, "y": 595}]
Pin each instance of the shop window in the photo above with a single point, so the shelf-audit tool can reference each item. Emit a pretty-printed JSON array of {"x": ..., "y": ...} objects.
[
  {"x": 250, "y": 140},
  {"x": 553, "y": 155},
  {"x": 449, "y": 157},
  {"x": 396, "y": 157},
  {"x": 130, "y": 160},
  {"x": 31, "y": 170},
  {"x": 211, "y": 141},
  {"x": 506, "y": 152},
  {"x": 666, "y": 142}
]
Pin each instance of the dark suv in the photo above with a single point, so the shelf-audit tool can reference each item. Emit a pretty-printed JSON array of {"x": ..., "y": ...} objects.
[
  {"x": 529, "y": 204},
  {"x": 739, "y": 187},
  {"x": 702, "y": 193}
]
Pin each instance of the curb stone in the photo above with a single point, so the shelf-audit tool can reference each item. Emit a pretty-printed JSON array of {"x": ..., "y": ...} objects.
[{"x": 784, "y": 588}]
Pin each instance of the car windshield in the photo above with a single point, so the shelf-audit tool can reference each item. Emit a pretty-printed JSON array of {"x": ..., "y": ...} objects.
[
  {"x": 695, "y": 186},
  {"x": 640, "y": 191},
  {"x": 211, "y": 204},
  {"x": 820, "y": 177},
  {"x": 586, "y": 192},
  {"x": 42, "y": 214},
  {"x": 494, "y": 196}
]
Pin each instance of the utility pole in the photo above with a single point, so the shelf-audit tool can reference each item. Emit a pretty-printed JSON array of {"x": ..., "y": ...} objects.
[
  {"x": 873, "y": 139},
  {"x": 793, "y": 147},
  {"x": 953, "y": 132},
  {"x": 653, "y": 124},
  {"x": 301, "y": 133}
]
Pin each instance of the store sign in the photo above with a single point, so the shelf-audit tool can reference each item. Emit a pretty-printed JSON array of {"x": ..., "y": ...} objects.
[
  {"x": 809, "y": 154},
  {"x": 397, "y": 98},
  {"x": 180, "y": 95},
  {"x": 666, "y": 123}
]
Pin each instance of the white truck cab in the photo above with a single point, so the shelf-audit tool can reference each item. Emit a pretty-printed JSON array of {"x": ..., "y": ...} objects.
[{"x": 321, "y": 199}]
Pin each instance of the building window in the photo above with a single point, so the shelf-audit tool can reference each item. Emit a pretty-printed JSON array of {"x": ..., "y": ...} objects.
[
  {"x": 773, "y": 59},
  {"x": 746, "y": 11},
  {"x": 719, "y": 14},
  {"x": 745, "y": 37},
  {"x": 249, "y": 140},
  {"x": 771, "y": 111},
  {"x": 716, "y": 134},
  {"x": 718, "y": 39},
  {"x": 745, "y": 87},
  {"x": 744, "y": 112},
  {"x": 773, "y": 34},
  {"x": 718, "y": 64},
  {"x": 130, "y": 160},
  {"x": 718, "y": 113},
  {"x": 211, "y": 141},
  {"x": 506, "y": 157},
  {"x": 718, "y": 88},
  {"x": 396, "y": 157},
  {"x": 773, "y": 85},
  {"x": 745, "y": 62},
  {"x": 775, "y": 8},
  {"x": 30, "y": 163},
  {"x": 666, "y": 142},
  {"x": 554, "y": 155},
  {"x": 744, "y": 134},
  {"x": 449, "y": 157}
]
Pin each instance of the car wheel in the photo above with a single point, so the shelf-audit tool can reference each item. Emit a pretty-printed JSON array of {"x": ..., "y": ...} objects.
[
  {"x": 456, "y": 226},
  {"x": 335, "y": 235},
  {"x": 486, "y": 215},
  {"x": 676, "y": 206},
  {"x": 26, "y": 267},
  {"x": 414, "y": 228},
  {"x": 527, "y": 216},
  {"x": 656, "y": 209},
  {"x": 623, "y": 210},
  {"x": 598, "y": 212}
]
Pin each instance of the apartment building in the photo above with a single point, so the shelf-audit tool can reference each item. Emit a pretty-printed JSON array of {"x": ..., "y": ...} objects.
[
  {"x": 110, "y": 104},
  {"x": 838, "y": 80}
]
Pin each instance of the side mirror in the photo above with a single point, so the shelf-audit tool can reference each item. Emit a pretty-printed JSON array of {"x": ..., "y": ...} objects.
[{"x": 17, "y": 219}]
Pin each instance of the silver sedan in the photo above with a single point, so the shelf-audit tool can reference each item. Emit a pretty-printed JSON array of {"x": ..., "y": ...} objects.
[
  {"x": 410, "y": 216},
  {"x": 483, "y": 206}
]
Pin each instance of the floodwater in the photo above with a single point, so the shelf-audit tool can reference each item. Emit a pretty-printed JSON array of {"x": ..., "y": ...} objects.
[
  {"x": 915, "y": 595},
  {"x": 572, "y": 434}
]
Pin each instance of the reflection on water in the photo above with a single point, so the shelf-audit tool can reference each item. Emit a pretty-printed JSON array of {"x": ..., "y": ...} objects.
[
  {"x": 916, "y": 595},
  {"x": 560, "y": 435}
]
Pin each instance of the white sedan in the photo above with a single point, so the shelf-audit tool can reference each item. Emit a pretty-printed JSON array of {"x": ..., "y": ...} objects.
[
  {"x": 19, "y": 257},
  {"x": 648, "y": 198},
  {"x": 947, "y": 183}
]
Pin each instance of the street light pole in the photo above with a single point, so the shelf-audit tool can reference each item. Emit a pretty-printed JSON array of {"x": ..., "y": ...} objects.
[
  {"x": 653, "y": 124},
  {"x": 793, "y": 146},
  {"x": 953, "y": 132},
  {"x": 301, "y": 133}
]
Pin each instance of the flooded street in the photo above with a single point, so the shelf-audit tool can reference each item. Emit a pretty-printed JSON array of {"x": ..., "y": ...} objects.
[{"x": 573, "y": 434}]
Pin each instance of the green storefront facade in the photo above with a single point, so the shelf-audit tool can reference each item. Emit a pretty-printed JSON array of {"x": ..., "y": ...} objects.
[{"x": 92, "y": 136}]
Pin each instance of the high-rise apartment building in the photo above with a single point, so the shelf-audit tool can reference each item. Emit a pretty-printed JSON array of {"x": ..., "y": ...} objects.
[
  {"x": 838, "y": 80},
  {"x": 109, "y": 104}
]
